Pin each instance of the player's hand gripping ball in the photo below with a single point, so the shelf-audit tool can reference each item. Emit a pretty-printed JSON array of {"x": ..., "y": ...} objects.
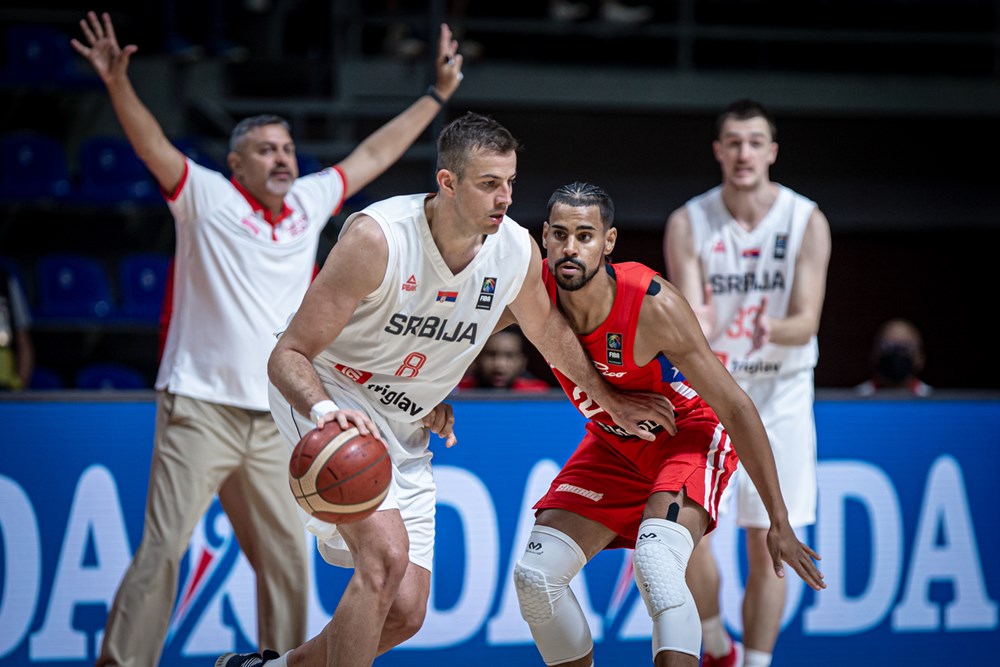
[{"x": 339, "y": 476}]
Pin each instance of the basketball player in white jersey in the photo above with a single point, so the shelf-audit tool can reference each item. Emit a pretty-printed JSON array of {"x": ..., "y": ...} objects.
[
  {"x": 403, "y": 305},
  {"x": 246, "y": 249},
  {"x": 751, "y": 256}
]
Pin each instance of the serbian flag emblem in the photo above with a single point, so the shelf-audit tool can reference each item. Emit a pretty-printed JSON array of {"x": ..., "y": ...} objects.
[{"x": 446, "y": 297}]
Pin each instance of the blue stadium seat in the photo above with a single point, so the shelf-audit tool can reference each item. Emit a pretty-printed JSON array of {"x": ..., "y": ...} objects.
[
  {"x": 32, "y": 166},
  {"x": 110, "y": 172},
  {"x": 44, "y": 379},
  {"x": 142, "y": 281},
  {"x": 39, "y": 56},
  {"x": 109, "y": 375},
  {"x": 71, "y": 286}
]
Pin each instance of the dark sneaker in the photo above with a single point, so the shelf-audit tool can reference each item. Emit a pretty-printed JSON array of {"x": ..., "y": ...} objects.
[{"x": 245, "y": 659}]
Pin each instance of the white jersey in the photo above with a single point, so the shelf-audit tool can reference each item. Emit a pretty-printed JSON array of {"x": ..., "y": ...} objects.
[
  {"x": 742, "y": 267},
  {"x": 411, "y": 340},
  {"x": 238, "y": 274}
]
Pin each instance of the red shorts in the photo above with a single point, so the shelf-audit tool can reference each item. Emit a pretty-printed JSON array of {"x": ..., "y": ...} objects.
[{"x": 610, "y": 479}]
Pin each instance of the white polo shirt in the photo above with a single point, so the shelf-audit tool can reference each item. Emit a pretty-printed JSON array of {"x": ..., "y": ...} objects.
[{"x": 238, "y": 274}]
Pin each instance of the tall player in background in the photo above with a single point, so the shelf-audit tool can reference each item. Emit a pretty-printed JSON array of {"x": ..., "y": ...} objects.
[
  {"x": 751, "y": 257},
  {"x": 616, "y": 490}
]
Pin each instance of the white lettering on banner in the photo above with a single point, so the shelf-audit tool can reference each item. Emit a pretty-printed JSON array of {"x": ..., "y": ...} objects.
[
  {"x": 94, "y": 521},
  {"x": 466, "y": 494},
  {"x": 94, "y": 552},
  {"x": 22, "y": 560},
  {"x": 834, "y": 611},
  {"x": 955, "y": 558},
  {"x": 213, "y": 537},
  {"x": 507, "y": 627}
]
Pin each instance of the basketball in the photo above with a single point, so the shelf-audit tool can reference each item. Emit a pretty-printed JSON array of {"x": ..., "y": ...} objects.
[{"x": 339, "y": 476}]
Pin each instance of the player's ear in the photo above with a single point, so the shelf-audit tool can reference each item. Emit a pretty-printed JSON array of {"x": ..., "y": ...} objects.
[
  {"x": 609, "y": 241},
  {"x": 447, "y": 181},
  {"x": 233, "y": 161},
  {"x": 545, "y": 234}
]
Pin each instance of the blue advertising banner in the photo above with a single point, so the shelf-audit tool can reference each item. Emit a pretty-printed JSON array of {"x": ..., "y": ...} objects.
[{"x": 906, "y": 528}]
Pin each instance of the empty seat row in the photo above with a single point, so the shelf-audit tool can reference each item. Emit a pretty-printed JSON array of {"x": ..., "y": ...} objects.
[
  {"x": 79, "y": 286},
  {"x": 98, "y": 375},
  {"x": 39, "y": 56},
  {"x": 35, "y": 166}
]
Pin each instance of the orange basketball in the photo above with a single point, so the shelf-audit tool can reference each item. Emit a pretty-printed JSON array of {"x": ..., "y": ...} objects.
[{"x": 339, "y": 476}]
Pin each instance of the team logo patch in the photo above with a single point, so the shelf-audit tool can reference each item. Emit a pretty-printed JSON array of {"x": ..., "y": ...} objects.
[
  {"x": 446, "y": 297},
  {"x": 485, "y": 301},
  {"x": 358, "y": 376},
  {"x": 719, "y": 247},
  {"x": 411, "y": 284},
  {"x": 614, "y": 343},
  {"x": 751, "y": 253},
  {"x": 780, "y": 246}
]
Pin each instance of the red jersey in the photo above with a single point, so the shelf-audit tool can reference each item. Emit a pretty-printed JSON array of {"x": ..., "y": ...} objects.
[
  {"x": 612, "y": 474},
  {"x": 611, "y": 347}
]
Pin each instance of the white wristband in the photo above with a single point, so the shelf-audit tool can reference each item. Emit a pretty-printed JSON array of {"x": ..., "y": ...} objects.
[{"x": 322, "y": 409}]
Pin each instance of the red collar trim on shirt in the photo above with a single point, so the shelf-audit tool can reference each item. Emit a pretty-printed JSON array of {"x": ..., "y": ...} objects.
[{"x": 269, "y": 218}]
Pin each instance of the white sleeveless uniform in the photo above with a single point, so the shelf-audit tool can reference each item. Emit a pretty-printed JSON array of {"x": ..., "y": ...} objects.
[
  {"x": 406, "y": 347},
  {"x": 742, "y": 267}
]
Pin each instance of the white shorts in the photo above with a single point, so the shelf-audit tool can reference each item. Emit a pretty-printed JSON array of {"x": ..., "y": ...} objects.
[
  {"x": 412, "y": 490},
  {"x": 785, "y": 405}
]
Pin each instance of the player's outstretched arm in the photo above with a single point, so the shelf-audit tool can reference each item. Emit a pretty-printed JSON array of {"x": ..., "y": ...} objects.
[
  {"x": 667, "y": 324},
  {"x": 547, "y": 329},
  {"x": 387, "y": 144},
  {"x": 110, "y": 61}
]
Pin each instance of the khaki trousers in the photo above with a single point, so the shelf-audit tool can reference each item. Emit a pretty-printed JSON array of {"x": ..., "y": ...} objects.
[{"x": 202, "y": 449}]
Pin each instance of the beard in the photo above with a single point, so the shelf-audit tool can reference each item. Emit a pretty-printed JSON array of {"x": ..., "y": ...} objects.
[
  {"x": 278, "y": 187},
  {"x": 581, "y": 279}
]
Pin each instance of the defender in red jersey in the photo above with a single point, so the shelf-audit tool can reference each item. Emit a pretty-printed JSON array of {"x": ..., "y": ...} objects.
[{"x": 659, "y": 497}]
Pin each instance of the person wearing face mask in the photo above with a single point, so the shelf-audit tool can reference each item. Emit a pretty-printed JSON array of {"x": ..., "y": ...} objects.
[{"x": 897, "y": 359}]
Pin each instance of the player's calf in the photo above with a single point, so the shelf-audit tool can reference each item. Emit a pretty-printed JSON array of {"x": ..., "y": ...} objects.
[{"x": 659, "y": 561}]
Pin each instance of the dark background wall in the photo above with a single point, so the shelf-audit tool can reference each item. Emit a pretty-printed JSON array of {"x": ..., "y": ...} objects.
[{"x": 887, "y": 113}]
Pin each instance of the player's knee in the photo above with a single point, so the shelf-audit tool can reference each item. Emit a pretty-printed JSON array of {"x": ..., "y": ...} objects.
[
  {"x": 659, "y": 562},
  {"x": 382, "y": 572},
  {"x": 541, "y": 579},
  {"x": 542, "y": 576}
]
